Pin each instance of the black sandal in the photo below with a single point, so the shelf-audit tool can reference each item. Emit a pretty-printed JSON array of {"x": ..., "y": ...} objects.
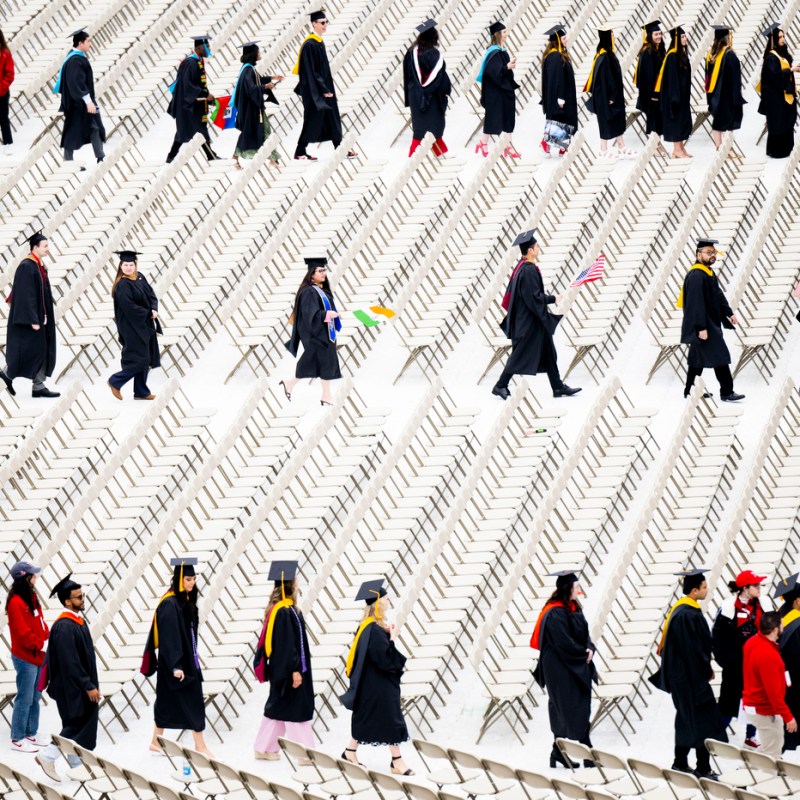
[
  {"x": 345, "y": 758},
  {"x": 397, "y": 771},
  {"x": 286, "y": 391}
]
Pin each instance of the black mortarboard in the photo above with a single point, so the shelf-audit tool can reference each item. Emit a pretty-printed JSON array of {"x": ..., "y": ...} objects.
[
  {"x": 788, "y": 586},
  {"x": 556, "y": 30},
  {"x": 496, "y": 27},
  {"x": 692, "y": 578},
  {"x": 606, "y": 37},
  {"x": 776, "y": 26},
  {"x": 721, "y": 31},
  {"x": 282, "y": 571},
  {"x": 64, "y": 588},
  {"x": 249, "y": 48},
  {"x": 652, "y": 27},
  {"x": 370, "y": 591},
  {"x": 703, "y": 242},
  {"x": 37, "y": 238},
  {"x": 564, "y": 577},
  {"x": 677, "y": 30},
  {"x": 78, "y": 36},
  {"x": 428, "y": 25},
  {"x": 525, "y": 239},
  {"x": 691, "y": 573},
  {"x": 316, "y": 261},
  {"x": 127, "y": 255},
  {"x": 315, "y": 15},
  {"x": 183, "y": 568},
  {"x": 201, "y": 39}
]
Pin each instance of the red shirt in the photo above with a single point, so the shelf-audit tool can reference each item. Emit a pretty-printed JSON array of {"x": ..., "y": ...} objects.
[
  {"x": 765, "y": 678},
  {"x": 28, "y": 629},
  {"x": 6, "y": 71}
]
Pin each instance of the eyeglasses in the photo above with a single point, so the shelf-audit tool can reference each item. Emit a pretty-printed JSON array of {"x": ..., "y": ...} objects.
[{"x": 322, "y": 21}]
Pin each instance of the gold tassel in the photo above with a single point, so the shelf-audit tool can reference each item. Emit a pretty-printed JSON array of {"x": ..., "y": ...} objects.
[
  {"x": 283, "y": 591},
  {"x": 180, "y": 580},
  {"x": 378, "y": 614}
]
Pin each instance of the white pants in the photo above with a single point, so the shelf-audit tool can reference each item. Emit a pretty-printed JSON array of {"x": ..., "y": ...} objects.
[{"x": 770, "y": 733}]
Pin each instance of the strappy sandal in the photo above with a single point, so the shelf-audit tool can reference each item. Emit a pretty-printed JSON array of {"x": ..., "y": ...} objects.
[
  {"x": 397, "y": 771},
  {"x": 286, "y": 391},
  {"x": 345, "y": 758},
  {"x": 625, "y": 151}
]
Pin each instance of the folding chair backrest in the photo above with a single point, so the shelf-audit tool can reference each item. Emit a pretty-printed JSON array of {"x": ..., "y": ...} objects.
[
  {"x": 416, "y": 791},
  {"x": 599, "y": 794},
  {"x": 682, "y": 780},
  {"x": 535, "y": 780},
  {"x": 465, "y": 760},
  {"x": 499, "y": 770},
  {"x": 51, "y": 793},
  {"x": 789, "y": 769},
  {"x": 172, "y": 750},
  {"x": 743, "y": 794},
  {"x": 294, "y": 750},
  {"x": 389, "y": 788},
  {"x": 573, "y": 750},
  {"x": 714, "y": 790},
  {"x": 286, "y": 792},
  {"x": 165, "y": 793},
  {"x": 430, "y": 750},
  {"x": 759, "y": 761},
  {"x": 228, "y": 775},
  {"x": 255, "y": 784},
  {"x": 66, "y": 746},
  {"x": 569, "y": 789},
  {"x": 724, "y": 750},
  {"x": 645, "y": 769}
]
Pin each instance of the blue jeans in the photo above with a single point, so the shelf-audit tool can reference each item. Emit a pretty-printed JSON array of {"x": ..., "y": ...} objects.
[
  {"x": 119, "y": 379},
  {"x": 25, "y": 718}
]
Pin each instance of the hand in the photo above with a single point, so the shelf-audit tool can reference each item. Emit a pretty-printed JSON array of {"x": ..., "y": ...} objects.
[
  {"x": 178, "y": 673},
  {"x": 328, "y": 94},
  {"x": 277, "y": 78},
  {"x": 559, "y": 298},
  {"x": 561, "y": 104},
  {"x": 703, "y": 335},
  {"x": 733, "y": 320},
  {"x": 91, "y": 107},
  {"x": 297, "y": 679},
  {"x": 393, "y": 632},
  {"x": 589, "y": 655},
  {"x": 210, "y": 98},
  {"x": 512, "y": 64},
  {"x": 796, "y": 69},
  {"x": 155, "y": 314},
  {"x": 713, "y": 675},
  {"x": 36, "y": 327},
  {"x": 791, "y": 726},
  {"x": 270, "y": 85},
  {"x": 94, "y": 695}
]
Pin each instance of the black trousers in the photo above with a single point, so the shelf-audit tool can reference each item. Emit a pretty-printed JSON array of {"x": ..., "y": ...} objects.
[
  {"x": 5, "y": 122},
  {"x": 302, "y": 144},
  {"x": 119, "y": 379},
  {"x": 97, "y": 145},
  {"x": 553, "y": 375},
  {"x": 703, "y": 758},
  {"x": 723, "y": 376},
  {"x": 206, "y": 147}
]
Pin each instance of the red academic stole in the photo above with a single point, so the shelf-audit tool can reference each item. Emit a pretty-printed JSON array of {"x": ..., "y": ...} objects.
[
  {"x": 506, "y": 302},
  {"x": 42, "y": 272},
  {"x": 70, "y": 616},
  {"x": 549, "y": 606}
]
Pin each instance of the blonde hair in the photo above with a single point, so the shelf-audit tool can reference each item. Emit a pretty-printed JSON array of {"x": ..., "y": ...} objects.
[
  {"x": 497, "y": 38},
  {"x": 290, "y": 590},
  {"x": 370, "y": 612}
]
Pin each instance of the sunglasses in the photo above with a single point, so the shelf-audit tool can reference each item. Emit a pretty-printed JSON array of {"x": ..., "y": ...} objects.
[{"x": 322, "y": 21}]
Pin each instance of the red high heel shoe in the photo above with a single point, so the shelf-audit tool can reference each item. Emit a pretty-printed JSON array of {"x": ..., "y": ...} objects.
[
  {"x": 512, "y": 152},
  {"x": 545, "y": 146},
  {"x": 482, "y": 149}
]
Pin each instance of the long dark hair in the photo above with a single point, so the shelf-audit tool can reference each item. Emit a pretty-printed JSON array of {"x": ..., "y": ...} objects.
[
  {"x": 772, "y": 44},
  {"x": 682, "y": 50},
  {"x": 649, "y": 44},
  {"x": 427, "y": 40},
  {"x": 552, "y": 47},
  {"x": 718, "y": 45},
  {"x": 120, "y": 275},
  {"x": 3, "y": 43},
  {"x": 306, "y": 282},
  {"x": 562, "y": 595},
  {"x": 250, "y": 58},
  {"x": 186, "y": 600},
  {"x": 23, "y": 587}
]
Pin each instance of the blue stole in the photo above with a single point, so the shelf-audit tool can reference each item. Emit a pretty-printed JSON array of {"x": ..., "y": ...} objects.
[
  {"x": 175, "y": 82},
  {"x": 492, "y": 49},
  {"x": 335, "y": 324},
  {"x": 73, "y": 52},
  {"x": 236, "y": 87}
]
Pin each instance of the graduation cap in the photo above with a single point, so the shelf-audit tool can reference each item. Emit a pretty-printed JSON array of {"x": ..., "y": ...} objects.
[
  {"x": 317, "y": 15},
  {"x": 78, "y": 36},
  {"x": 283, "y": 571},
  {"x": 370, "y": 591},
  {"x": 428, "y": 25},
  {"x": 128, "y": 256},
  {"x": 788, "y": 587},
  {"x": 692, "y": 578},
  {"x": 677, "y": 30},
  {"x": 202, "y": 40},
  {"x": 249, "y": 48},
  {"x": 316, "y": 261},
  {"x": 183, "y": 568},
  {"x": 496, "y": 27},
  {"x": 64, "y": 589},
  {"x": 556, "y": 30},
  {"x": 564, "y": 577},
  {"x": 37, "y": 238},
  {"x": 774, "y": 28},
  {"x": 606, "y": 36},
  {"x": 721, "y": 31},
  {"x": 525, "y": 240},
  {"x": 652, "y": 27},
  {"x": 703, "y": 242}
]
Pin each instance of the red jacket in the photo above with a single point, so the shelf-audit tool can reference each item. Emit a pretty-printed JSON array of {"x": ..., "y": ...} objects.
[
  {"x": 29, "y": 631},
  {"x": 765, "y": 678},
  {"x": 6, "y": 71}
]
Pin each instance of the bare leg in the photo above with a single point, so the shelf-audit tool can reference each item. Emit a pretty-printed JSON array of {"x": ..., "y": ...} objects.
[
  {"x": 604, "y": 145},
  {"x": 484, "y": 138},
  {"x": 717, "y": 137},
  {"x": 200, "y": 742},
  {"x": 154, "y": 745},
  {"x": 326, "y": 392},
  {"x": 290, "y": 383},
  {"x": 350, "y": 752},
  {"x": 398, "y": 764}
]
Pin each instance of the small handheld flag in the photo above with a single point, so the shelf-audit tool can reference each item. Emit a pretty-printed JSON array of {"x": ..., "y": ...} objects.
[
  {"x": 371, "y": 322},
  {"x": 593, "y": 273},
  {"x": 223, "y": 114}
]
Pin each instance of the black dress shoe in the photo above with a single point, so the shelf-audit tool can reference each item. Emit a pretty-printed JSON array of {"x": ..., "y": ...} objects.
[
  {"x": 565, "y": 391},
  {"x": 712, "y": 776},
  {"x": 731, "y": 398},
  {"x": 8, "y": 382},
  {"x": 682, "y": 768},
  {"x": 706, "y": 395},
  {"x": 501, "y": 392},
  {"x": 44, "y": 393},
  {"x": 557, "y": 757}
]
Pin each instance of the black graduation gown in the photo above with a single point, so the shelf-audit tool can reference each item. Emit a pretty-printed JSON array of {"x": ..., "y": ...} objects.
[
  {"x": 77, "y": 80},
  {"x": 319, "y": 359},
  {"x": 289, "y": 640},
  {"x": 250, "y": 94},
  {"x": 529, "y": 325},
  {"x": 563, "y": 671},
  {"x": 558, "y": 81},
  {"x": 27, "y": 350},
  {"x": 728, "y": 639},
  {"x": 726, "y": 103},
  {"x": 685, "y": 674},
  {"x": 374, "y": 694},
  {"x": 71, "y": 673},
  {"x": 790, "y": 650},
  {"x": 648, "y": 102},
  {"x": 676, "y": 98},
  {"x": 608, "y": 96},
  {"x": 184, "y": 106},
  {"x": 179, "y": 704},
  {"x": 705, "y": 308},
  {"x": 781, "y": 116},
  {"x": 428, "y": 104},
  {"x": 498, "y": 94},
  {"x": 134, "y": 302},
  {"x": 321, "y": 120}
]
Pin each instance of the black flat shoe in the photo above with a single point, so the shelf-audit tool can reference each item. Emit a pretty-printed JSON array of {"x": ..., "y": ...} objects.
[
  {"x": 731, "y": 398},
  {"x": 44, "y": 393},
  {"x": 706, "y": 395},
  {"x": 712, "y": 776},
  {"x": 565, "y": 391},
  {"x": 8, "y": 382},
  {"x": 682, "y": 768},
  {"x": 501, "y": 391}
]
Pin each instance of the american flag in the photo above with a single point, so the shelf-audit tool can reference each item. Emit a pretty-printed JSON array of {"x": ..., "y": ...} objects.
[{"x": 593, "y": 273}]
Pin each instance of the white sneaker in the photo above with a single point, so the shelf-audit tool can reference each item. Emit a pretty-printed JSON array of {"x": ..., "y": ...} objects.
[
  {"x": 7, "y": 148},
  {"x": 38, "y": 740},
  {"x": 24, "y": 746},
  {"x": 49, "y": 768}
]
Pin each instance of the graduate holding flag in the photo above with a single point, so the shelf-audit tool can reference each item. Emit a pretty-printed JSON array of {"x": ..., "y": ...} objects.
[
  {"x": 191, "y": 99},
  {"x": 375, "y": 667},
  {"x": 251, "y": 93}
]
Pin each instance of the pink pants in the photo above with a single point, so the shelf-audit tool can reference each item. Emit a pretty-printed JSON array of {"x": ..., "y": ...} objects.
[{"x": 271, "y": 729}]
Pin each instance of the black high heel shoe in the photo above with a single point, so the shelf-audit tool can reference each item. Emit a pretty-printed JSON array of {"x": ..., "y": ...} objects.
[
  {"x": 285, "y": 391},
  {"x": 557, "y": 757},
  {"x": 397, "y": 771},
  {"x": 345, "y": 758},
  {"x": 325, "y": 403}
]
